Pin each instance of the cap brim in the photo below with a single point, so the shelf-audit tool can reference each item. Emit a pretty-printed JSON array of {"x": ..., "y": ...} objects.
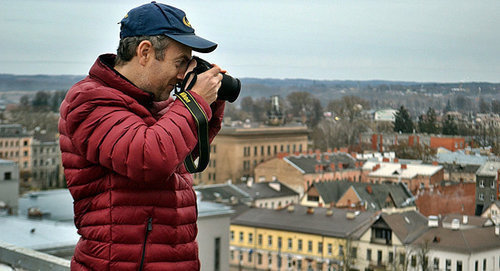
[{"x": 196, "y": 43}]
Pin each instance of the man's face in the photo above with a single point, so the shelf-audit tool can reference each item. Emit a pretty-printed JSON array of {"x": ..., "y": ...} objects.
[{"x": 162, "y": 75}]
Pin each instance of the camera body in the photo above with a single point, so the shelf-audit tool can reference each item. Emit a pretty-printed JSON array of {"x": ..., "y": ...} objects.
[{"x": 230, "y": 87}]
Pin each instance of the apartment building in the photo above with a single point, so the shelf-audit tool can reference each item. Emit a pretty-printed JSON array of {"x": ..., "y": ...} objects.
[
  {"x": 296, "y": 238},
  {"x": 237, "y": 150}
]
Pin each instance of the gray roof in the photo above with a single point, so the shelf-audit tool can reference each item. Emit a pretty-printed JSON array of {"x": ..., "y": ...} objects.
[
  {"x": 407, "y": 225},
  {"x": 223, "y": 193},
  {"x": 465, "y": 241},
  {"x": 476, "y": 221},
  {"x": 460, "y": 158},
  {"x": 332, "y": 191},
  {"x": 37, "y": 234},
  {"x": 210, "y": 209},
  {"x": 462, "y": 168},
  {"x": 298, "y": 220},
  {"x": 489, "y": 168},
  {"x": 307, "y": 163},
  {"x": 263, "y": 190},
  {"x": 54, "y": 204}
]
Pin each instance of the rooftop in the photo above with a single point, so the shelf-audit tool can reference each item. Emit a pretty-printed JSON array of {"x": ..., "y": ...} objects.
[
  {"x": 396, "y": 170},
  {"x": 307, "y": 163},
  {"x": 489, "y": 168},
  {"x": 374, "y": 195},
  {"x": 266, "y": 190},
  {"x": 299, "y": 220},
  {"x": 407, "y": 226}
]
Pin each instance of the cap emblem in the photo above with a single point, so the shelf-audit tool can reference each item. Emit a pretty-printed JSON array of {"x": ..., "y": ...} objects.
[{"x": 186, "y": 22}]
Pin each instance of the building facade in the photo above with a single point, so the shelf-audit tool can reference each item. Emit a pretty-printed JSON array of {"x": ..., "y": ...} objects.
[
  {"x": 295, "y": 238},
  {"x": 9, "y": 187},
  {"x": 15, "y": 145},
  {"x": 236, "y": 151},
  {"x": 487, "y": 181},
  {"x": 46, "y": 165}
]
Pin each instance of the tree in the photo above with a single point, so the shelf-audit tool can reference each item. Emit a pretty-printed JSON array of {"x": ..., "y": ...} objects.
[
  {"x": 41, "y": 99},
  {"x": 403, "y": 122},
  {"x": 304, "y": 105},
  {"x": 449, "y": 127},
  {"x": 448, "y": 107},
  {"x": 484, "y": 107},
  {"x": 348, "y": 107},
  {"x": 427, "y": 123},
  {"x": 495, "y": 106}
]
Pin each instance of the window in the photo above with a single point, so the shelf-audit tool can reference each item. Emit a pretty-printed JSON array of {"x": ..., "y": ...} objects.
[
  {"x": 250, "y": 238},
  {"x": 368, "y": 254},
  {"x": 413, "y": 260},
  {"x": 279, "y": 242},
  {"x": 459, "y": 265},
  {"x": 232, "y": 254},
  {"x": 448, "y": 265},
  {"x": 476, "y": 266},
  {"x": 320, "y": 247},
  {"x": 312, "y": 198},
  {"x": 329, "y": 249},
  {"x": 232, "y": 235},
  {"x": 379, "y": 257},
  {"x": 492, "y": 185},
  {"x": 354, "y": 252},
  {"x": 217, "y": 254},
  {"x": 268, "y": 150},
  {"x": 259, "y": 258},
  {"x": 484, "y": 264},
  {"x": 290, "y": 243},
  {"x": 261, "y": 150},
  {"x": 249, "y": 256},
  {"x": 25, "y": 153},
  {"x": 7, "y": 176},
  {"x": 481, "y": 196},
  {"x": 391, "y": 257},
  {"x": 259, "y": 240},
  {"x": 299, "y": 245},
  {"x": 309, "y": 246},
  {"x": 269, "y": 240},
  {"x": 255, "y": 151},
  {"x": 492, "y": 197},
  {"x": 269, "y": 259},
  {"x": 436, "y": 264},
  {"x": 341, "y": 250},
  {"x": 481, "y": 183},
  {"x": 241, "y": 236},
  {"x": 299, "y": 264}
]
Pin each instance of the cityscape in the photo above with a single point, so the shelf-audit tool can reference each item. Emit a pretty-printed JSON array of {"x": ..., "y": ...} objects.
[{"x": 304, "y": 175}]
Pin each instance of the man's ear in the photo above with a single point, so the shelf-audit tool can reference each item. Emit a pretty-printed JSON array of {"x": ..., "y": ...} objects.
[{"x": 145, "y": 52}]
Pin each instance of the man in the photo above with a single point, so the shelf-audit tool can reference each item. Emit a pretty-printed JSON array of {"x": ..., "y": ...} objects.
[{"x": 123, "y": 143}]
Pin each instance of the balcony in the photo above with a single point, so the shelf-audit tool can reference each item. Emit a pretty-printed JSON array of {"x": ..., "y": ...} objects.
[{"x": 30, "y": 260}]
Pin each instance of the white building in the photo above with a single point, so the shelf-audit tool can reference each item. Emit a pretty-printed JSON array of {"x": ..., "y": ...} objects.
[
  {"x": 457, "y": 249},
  {"x": 213, "y": 236},
  {"x": 9, "y": 186}
]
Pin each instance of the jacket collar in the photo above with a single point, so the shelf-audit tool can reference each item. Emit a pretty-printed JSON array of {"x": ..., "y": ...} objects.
[{"x": 103, "y": 70}]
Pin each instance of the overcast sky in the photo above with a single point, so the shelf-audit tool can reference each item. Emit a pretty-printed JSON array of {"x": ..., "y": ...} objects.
[{"x": 439, "y": 41}]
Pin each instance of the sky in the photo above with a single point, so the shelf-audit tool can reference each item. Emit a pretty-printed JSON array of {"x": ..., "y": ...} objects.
[{"x": 399, "y": 40}]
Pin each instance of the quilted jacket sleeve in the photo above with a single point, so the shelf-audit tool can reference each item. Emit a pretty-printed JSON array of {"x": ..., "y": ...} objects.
[{"x": 105, "y": 130}]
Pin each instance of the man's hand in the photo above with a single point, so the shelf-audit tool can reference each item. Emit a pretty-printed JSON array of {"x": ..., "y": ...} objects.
[{"x": 207, "y": 83}]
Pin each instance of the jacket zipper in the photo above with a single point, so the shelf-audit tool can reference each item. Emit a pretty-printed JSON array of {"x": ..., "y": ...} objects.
[{"x": 148, "y": 229}]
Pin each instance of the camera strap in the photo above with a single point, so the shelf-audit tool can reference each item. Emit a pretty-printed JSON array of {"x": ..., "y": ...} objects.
[{"x": 201, "y": 123}]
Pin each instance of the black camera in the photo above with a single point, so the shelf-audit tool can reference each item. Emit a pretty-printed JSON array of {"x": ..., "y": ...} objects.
[{"x": 230, "y": 87}]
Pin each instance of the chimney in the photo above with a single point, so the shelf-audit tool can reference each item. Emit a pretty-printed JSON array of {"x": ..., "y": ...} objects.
[
  {"x": 326, "y": 157},
  {"x": 329, "y": 150},
  {"x": 404, "y": 166},
  {"x": 396, "y": 160},
  {"x": 249, "y": 181},
  {"x": 310, "y": 210},
  {"x": 329, "y": 212},
  {"x": 341, "y": 166},
  {"x": 435, "y": 163},
  {"x": 332, "y": 167},
  {"x": 385, "y": 160},
  {"x": 369, "y": 189},
  {"x": 433, "y": 221},
  {"x": 318, "y": 157},
  {"x": 290, "y": 208},
  {"x": 275, "y": 185},
  {"x": 310, "y": 152}
]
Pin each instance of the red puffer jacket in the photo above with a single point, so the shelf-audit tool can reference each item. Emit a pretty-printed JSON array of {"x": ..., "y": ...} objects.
[{"x": 134, "y": 205}]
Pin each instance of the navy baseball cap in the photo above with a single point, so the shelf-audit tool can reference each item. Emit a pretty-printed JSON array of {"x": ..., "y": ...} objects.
[{"x": 160, "y": 19}]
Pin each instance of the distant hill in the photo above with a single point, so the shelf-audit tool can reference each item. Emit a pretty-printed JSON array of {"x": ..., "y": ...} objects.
[{"x": 9, "y": 82}]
